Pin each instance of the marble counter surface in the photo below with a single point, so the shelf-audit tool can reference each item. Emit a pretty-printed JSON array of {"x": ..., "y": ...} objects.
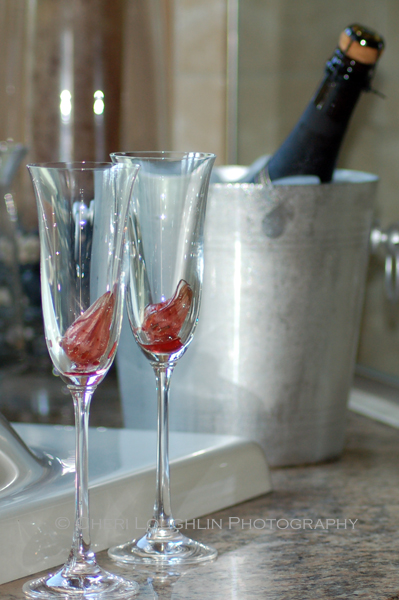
[{"x": 326, "y": 531}]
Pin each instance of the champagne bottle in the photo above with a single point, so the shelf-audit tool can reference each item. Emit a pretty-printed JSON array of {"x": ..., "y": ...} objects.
[{"x": 313, "y": 145}]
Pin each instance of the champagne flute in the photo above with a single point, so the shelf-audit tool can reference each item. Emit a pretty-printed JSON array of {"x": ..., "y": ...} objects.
[
  {"x": 166, "y": 224},
  {"x": 82, "y": 209}
]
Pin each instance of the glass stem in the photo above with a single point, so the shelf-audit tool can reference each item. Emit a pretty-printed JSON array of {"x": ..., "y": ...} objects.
[
  {"x": 162, "y": 507},
  {"x": 81, "y": 553}
]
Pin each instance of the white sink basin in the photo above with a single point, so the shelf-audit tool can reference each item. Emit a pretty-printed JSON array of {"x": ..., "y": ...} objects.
[{"x": 208, "y": 473}]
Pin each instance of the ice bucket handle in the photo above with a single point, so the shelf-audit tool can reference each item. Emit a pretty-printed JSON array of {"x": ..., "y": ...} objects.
[{"x": 387, "y": 241}]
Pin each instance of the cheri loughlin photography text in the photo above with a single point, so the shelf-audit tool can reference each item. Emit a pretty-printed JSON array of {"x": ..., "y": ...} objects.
[{"x": 227, "y": 523}]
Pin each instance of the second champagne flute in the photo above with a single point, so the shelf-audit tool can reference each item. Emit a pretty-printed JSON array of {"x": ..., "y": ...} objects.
[{"x": 166, "y": 230}]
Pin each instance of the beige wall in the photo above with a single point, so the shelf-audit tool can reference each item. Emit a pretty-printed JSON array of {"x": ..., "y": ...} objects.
[{"x": 199, "y": 76}]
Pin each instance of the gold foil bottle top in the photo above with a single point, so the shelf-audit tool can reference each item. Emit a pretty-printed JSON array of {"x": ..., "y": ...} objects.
[{"x": 361, "y": 44}]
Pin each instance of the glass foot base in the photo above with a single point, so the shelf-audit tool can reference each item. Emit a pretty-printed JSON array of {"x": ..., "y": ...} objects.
[
  {"x": 171, "y": 549},
  {"x": 95, "y": 585}
]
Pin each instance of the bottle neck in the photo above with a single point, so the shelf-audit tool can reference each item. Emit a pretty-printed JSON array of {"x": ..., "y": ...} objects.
[
  {"x": 341, "y": 67},
  {"x": 345, "y": 79}
]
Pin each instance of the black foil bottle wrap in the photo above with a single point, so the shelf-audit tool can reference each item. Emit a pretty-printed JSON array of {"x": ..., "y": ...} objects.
[{"x": 313, "y": 145}]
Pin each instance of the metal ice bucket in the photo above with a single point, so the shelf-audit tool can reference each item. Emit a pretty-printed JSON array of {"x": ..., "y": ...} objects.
[{"x": 273, "y": 355}]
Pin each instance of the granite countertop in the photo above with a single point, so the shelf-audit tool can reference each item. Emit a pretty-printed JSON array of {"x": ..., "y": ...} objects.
[{"x": 326, "y": 531}]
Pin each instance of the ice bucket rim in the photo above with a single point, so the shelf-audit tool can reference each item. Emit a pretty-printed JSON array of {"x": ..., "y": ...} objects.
[{"x": 341, "y": 177}]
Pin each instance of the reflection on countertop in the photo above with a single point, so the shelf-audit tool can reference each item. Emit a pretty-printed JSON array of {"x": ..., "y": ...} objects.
[{"x": 326, "y": 531}]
